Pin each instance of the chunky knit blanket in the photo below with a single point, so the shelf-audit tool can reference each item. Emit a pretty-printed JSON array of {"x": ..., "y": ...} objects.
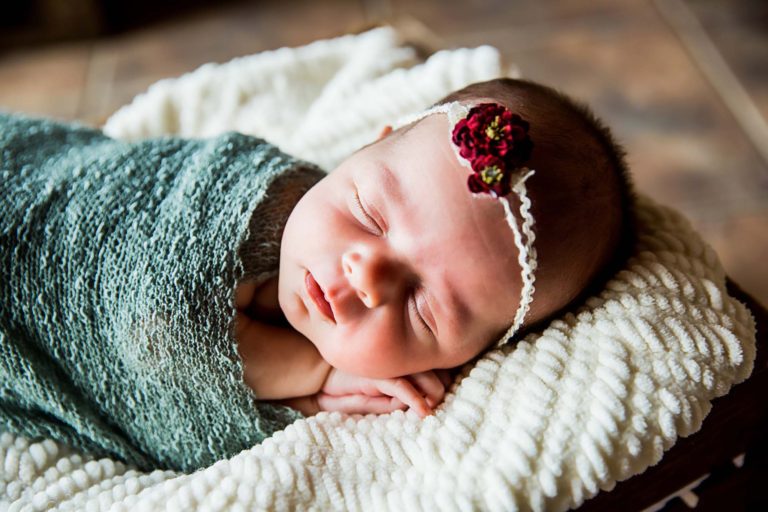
[
  {"x": 117, "y": 275},
  {"x": 592, "y": 399}
]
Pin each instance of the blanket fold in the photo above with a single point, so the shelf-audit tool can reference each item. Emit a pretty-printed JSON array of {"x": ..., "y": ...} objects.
[{"x": 118, "y": 264}]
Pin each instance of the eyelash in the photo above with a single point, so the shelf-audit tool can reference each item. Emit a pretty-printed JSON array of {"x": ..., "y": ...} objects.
[
  {"x": 359, "y": 205},
  {"x": 412, "y": 306}
]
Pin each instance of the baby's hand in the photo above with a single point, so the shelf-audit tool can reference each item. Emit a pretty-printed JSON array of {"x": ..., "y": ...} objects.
[{"x": 352, "y": 394}]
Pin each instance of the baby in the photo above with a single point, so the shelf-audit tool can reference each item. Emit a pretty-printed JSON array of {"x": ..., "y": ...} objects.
[
  {"x": 162, "y": 301},
  {"x": 401, "y": 264}
]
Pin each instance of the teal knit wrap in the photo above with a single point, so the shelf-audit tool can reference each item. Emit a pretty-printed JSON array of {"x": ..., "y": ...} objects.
[{"x": 118, "y": 264}]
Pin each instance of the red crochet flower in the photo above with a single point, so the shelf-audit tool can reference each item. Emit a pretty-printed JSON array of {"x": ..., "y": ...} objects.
[{"x": 495, "y": 142}]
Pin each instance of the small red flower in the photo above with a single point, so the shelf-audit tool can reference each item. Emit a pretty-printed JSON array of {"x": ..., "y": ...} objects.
[
  {"x": 495, "y": 142},
  {"x": 491, "y": 176}
]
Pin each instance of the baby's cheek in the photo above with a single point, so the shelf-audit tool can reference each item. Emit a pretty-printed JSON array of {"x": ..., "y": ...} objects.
[
  {"x": 341, "y": 345},
  {"x": 374, "y": 354}
]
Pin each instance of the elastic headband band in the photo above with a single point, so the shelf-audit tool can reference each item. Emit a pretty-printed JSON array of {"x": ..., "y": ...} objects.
[{"x": 493, "y": 143}]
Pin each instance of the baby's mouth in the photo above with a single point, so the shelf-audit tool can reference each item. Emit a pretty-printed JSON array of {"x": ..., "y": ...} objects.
[{"x": 318, "y": 297}]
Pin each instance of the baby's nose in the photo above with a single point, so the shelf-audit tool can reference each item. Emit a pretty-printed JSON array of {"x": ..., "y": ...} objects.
[{"x": 374, "y": 276}]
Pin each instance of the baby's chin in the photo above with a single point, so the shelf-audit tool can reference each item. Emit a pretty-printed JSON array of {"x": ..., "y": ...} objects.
[
  {"x": 368, "y": 369},
  {"x": 374, "y": 369}
]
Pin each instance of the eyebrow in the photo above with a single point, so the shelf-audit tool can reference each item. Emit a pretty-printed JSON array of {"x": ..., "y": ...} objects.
[{"x": 393, "y": 185}]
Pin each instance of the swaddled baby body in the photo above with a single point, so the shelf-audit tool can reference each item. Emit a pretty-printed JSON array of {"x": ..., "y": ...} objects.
[
  {"x": 393, "y": 271},
  {"x": 171, "y": 302}
]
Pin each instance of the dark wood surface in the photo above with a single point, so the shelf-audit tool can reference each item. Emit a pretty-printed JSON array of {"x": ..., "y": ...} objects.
[
  {"x": 639, "y": 65},
  {"x": 737, "y": 423}
]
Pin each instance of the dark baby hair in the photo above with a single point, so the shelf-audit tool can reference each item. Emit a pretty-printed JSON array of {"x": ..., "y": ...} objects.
[{"x": 568, "y": 136}]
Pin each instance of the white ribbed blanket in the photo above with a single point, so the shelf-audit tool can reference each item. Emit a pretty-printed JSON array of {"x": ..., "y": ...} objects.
[{"x": 595, "y": 398}]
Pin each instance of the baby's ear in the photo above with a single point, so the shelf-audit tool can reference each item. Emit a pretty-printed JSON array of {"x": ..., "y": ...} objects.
[{"x": 384, "y": 132}]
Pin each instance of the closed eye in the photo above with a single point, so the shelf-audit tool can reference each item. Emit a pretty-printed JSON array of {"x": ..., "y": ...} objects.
[
  {"x": 370, "y": 222},
  {"x": 414, "y": 309}
]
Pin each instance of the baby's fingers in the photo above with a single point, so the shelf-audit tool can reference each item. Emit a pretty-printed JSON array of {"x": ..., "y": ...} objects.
[
  {"x": 359, "y": 404},
  {"x": 403, "y": 389},
  {"x": 431, "y": 385}
]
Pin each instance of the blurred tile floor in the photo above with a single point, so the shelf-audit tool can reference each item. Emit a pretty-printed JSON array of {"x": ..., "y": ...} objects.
[{"x": 683, "y": 83}]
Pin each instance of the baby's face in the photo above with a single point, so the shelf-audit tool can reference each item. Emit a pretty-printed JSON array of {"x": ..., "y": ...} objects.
[{"x": 417, "y": 272}]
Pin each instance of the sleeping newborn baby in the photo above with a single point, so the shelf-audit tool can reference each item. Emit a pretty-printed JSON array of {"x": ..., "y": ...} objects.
[
  {"x": 420, "y": 251},
  {"x": 170, "y": 302}
]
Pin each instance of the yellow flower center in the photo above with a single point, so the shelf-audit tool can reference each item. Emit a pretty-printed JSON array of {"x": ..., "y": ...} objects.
[
  {"x": 492, "y": 130},
  {"x": 491, "y": 175}
]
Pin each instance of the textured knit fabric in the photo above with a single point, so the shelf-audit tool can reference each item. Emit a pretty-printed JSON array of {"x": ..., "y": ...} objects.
[
  {"x": 597, "y": 396},
  {"x": 118, "y": 265},
  {"x": 594, "y": 398}
]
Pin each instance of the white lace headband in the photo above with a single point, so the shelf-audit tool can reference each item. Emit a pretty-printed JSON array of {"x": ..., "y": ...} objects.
[{"x": 493, "y": 143}]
